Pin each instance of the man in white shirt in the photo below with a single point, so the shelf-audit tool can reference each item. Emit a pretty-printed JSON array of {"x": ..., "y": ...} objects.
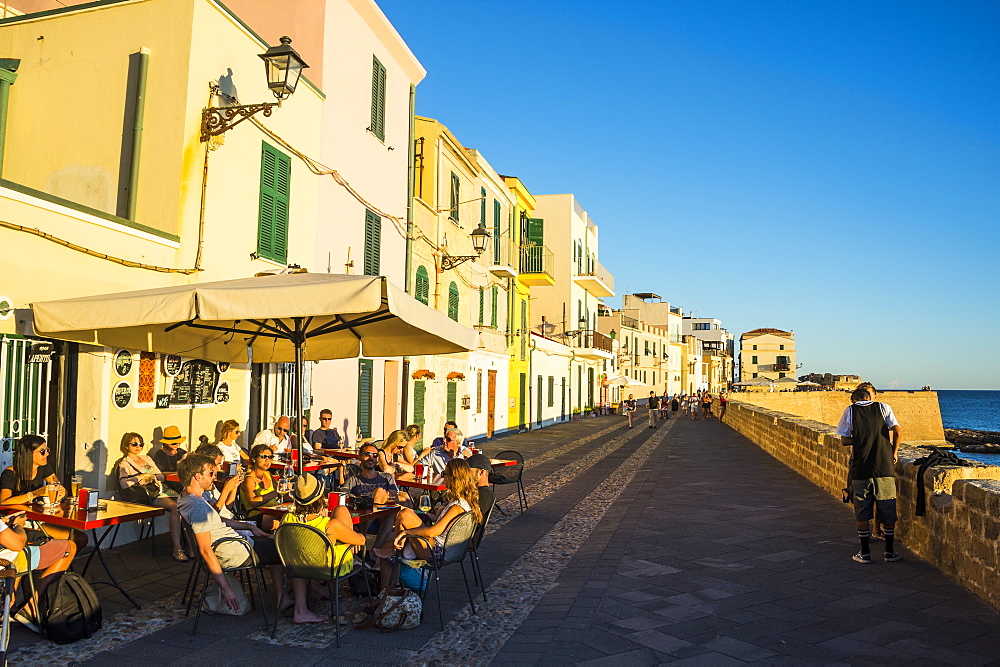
[
  {"x": 277, "y": 437},
  {"x": 437, "y": 457}
]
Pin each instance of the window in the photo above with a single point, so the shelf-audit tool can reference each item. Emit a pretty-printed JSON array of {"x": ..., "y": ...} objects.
[
  {"x": 552, "y": 391},
  {"x": 524, "y": 330},
  {"x": 454, "y": 197},
  {"x": 755, "y": 375},
  {"x": 378, "y": 99},
  {"x": 482, "y": 305},
  {"x": 452, "y": 404},
  {"x": 494, "y": 302},
  {"x": 479, "y": 390},
  {"x": 753, "y": 359},
  {"x": 453, "y": 300},
  {"x": 365, "y": 373},
  {"x": 781, "y": 347},
  {"x": 422, "y": 285},
  {"x": 496, "y": 231},
  {"x": 482, "y": 207},
  {"x": 755, "y": 347},
  {"x": 373, "y": 243},
  {"x": 272, "y": 221},
  {"x": 645, "y": 346},
  {"x": 701, "y": 326}
]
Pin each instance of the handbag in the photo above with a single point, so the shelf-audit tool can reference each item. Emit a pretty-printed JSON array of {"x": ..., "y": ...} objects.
[
  {"x": 143, "y": 494},
  {"x": 214, "y": 604},
  {"x": 396, "y": 608}
]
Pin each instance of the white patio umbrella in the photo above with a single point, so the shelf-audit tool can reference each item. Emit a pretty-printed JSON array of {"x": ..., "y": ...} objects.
[{"x": 267, "y": 319}]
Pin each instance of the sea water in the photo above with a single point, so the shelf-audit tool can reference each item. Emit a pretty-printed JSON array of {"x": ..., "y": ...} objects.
[{"x": 973, "y": 409}]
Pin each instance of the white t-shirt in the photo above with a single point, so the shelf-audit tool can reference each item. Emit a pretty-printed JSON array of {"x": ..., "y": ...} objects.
[
  {"x": 230, "y": 453},
  {"x": 846, "y": 425},
  {"x": 267, "y": 437}
]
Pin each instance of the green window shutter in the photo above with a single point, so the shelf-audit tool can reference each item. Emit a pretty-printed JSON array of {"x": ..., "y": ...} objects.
[
  {"x": 275, "y": 187},
  {"x": 536, "y": 228},
  {"x": 365, "y": 371},
  {"x": 419, "y": 392},
  {"x": 422, "y": 286},
  {"x": 454, "y": 197},
  {"x": 482, "y": 305},
  {"x": 452, "y": 401},
  {"x": 494, "y": 303},
  {"x": 496, "y": 231},
  {"x": 373, "y": 243},
  {"x": 453, "y": 300},
  {"x": 524, "y": 330},
  {"x": 378, "y": 99},
  {"x": 482, "y": 207}
]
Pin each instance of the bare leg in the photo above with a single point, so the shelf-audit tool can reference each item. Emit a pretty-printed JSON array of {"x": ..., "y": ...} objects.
[
  {"x": 170, "y": 505},
  {"x": 301, "y": 613}
]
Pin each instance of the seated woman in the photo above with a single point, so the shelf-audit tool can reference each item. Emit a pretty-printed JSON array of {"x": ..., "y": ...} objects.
[
  {"x": 413, "y": 435},
  {"x": 258, "y": 487},
  {"x": 222, "y": 499},
  {"x": 463, "y": 495},
  {"x": 232, "y": 452},
  {"x": 396, "y": 454},
  {"x": 310, "y": 509},
  {"x": 50, "y": 558},
  {"x": 141, "y": 481},
  {"x": 27, "y": 480}
]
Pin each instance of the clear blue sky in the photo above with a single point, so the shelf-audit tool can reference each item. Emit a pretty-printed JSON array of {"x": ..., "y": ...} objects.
[{"x": 832, "y": 168}]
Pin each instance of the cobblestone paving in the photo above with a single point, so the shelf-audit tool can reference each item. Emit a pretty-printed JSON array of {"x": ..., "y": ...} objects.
[{"x": 683, "y": 544}]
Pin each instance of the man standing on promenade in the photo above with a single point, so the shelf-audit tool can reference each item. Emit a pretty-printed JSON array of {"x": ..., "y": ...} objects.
[
  {"x": 654, "y": 405},
  {"x": 871, "y": 429}
]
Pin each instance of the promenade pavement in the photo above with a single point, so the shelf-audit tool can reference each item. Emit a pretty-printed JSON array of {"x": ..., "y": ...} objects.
[{"x": 684, "y": 543}]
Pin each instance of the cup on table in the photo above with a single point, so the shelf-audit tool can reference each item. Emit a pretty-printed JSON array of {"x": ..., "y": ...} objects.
[
  {"x": 75, "y": 484},
  {"x": 335, "y": 500},
  {"x": 51, "y": 490},
  {"x": 418, "y": 470}
]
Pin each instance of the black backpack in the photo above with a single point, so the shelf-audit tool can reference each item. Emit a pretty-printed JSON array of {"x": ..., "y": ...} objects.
[{"x": 69, "y": 610}]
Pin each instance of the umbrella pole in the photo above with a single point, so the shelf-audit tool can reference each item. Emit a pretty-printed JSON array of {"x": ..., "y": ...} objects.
[{"x": 299, "y": 342}]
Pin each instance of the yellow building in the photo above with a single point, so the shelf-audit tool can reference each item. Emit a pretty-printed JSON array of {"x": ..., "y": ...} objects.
[
  {"x": 767, "y": 353},
  {"x": 89, "y": 208}
]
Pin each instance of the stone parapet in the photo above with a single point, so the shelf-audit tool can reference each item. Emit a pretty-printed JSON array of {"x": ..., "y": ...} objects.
[{"x": 958, "y": 532}]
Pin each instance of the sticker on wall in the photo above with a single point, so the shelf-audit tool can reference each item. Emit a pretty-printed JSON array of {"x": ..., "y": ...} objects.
[
  {"x": 171, "y": 365},
  {"x": 223, "y": 366},
  {"x": 123, "y": 363},
  {"x": 122, "y": 394},
  {"x": 222, "y": 392},
  {"x": 6, "y": 308}
]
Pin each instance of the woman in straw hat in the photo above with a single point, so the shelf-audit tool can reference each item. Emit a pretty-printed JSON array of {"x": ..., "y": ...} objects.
[{"x": 311, "y": 509}]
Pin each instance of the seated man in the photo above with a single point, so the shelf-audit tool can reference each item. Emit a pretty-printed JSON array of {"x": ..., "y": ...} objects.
[
  {"x": 481, "y": 468},
  {"x": 197, "y": 474},
  {"x": 380, "y": 486},
  {"x": 439, "y": 441},
  {"x": 325, "y": 437},
  {"x": 437, "y": 457},
  {"x": 276, "y": 437}
]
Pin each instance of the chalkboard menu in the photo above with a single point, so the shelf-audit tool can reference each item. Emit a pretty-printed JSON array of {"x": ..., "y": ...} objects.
[{"x": 195, "y": 383}]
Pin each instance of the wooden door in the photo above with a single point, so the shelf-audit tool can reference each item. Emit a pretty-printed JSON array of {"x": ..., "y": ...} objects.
[{"x": 491, "y": 402}]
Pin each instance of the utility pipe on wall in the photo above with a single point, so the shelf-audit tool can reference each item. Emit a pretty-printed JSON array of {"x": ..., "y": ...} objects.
[{"x": 137, "y": 116}]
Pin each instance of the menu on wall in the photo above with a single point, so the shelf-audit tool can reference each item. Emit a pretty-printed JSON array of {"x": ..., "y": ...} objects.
[
  {"x": 195, "y": 383},
  {"x": 123, "y": 363},
  {"x": 122, "y": 394}
]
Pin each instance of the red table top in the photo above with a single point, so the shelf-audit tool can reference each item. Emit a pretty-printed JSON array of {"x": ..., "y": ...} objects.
[
  {"x": 72, "y": 517},
  {"x": 357, "y": 517},
  {"x": 435, "y": 483}
]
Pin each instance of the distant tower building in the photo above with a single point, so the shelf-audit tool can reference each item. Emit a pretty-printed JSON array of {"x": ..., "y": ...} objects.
[{"x": 767, "y": 353}]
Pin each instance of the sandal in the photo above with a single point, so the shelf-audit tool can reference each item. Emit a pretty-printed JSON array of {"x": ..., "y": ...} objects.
[{"x": 180, "y": 556}]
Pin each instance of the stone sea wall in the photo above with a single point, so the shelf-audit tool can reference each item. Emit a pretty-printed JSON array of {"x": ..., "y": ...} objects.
[{"x": 959, "y": 531}]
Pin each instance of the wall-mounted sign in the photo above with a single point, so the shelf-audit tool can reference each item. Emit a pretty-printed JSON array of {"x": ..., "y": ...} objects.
[
  {"x": 123, "y": 363},
  {"x": 40, "y": 352},
  {"x": 122, "y": 394},
  {"x": 163, "y": 400},
  {"x": 171, "y": 365},
  {"x": 222, "y": 392},
  {"x": 223, "y": 366}
]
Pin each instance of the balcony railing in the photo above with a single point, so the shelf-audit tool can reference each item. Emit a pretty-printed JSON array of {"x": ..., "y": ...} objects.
[
  {"x": 595, "y": 278},
  {"x": 536, "y": 259},
  {"x": 630, "y": 322},
  {"x": 780, "y": 367},
  {"x": 502, "y": 258},
  {"x": 590, "y": 339}
]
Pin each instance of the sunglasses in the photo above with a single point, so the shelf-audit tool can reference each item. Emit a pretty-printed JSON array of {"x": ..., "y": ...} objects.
[
  {"x": 44, "y": 451},
  {"x": 210, "y": 474},
  {"x": 266, "y": 456},
  {"x": 135, "y": 444},
  {"x": 368, "y": 455},
  {"x": 325, "y": 419},
  {"x": 278, "y": 429}
]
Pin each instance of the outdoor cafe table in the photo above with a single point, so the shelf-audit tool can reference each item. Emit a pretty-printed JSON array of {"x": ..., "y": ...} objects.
[
  {"x": 70, "y": 516},
  {"x": 278, "y": 467}
]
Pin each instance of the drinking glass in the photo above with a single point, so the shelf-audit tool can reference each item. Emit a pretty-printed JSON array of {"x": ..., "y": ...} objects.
[
  {"x": 75, "y": 484},
  {"x": 52, "y": 490},
  {"x": 425, "y": 502}
]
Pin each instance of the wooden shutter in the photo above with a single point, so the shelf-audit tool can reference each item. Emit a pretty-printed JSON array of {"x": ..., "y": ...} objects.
[
  {"x": 452, "y": 401},
  {"x": 454, "y": 197},
  {"x": 453, "y": 301},
  {"x": 421, "y": 287},
  {"x": 496, "y": 231},
  {"x": 275, "y": 189},
  {"x": 365, "y": 372},
  {"x": 482, "y": 305},
  {"x": 536, "y": 228},
  {"x": 494, "y": 303},
  {"x": 373, "y": 243},
  {"x": 419, "y": 392},
  {"x": 378, "y": 99},
  {"x": 482, "y": 207}
]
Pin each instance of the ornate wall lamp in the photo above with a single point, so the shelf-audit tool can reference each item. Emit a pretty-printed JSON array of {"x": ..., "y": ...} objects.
[
  {"x": 283, "y": 67},
  {"x": 480, "y": 238}
]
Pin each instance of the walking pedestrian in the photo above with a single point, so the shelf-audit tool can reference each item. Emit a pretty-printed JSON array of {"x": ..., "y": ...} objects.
[
  {"x": 706, "y": 406},
  {"x": 870, "y": 428},
  {"x": 675, "y": 405},
  {"x": 723, "y": 398},
  {"x": 693, "y": 407},
  {"x": 629, "y": 404},
  {"x": 653, "y": 404}
]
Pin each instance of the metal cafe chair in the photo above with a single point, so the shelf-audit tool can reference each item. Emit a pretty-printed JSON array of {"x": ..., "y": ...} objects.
[
  {"x": 456, "y": 544},
  {"x": 511, "y": 475}
]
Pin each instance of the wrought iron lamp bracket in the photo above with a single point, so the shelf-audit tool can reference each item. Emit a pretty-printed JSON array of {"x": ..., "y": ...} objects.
[
  {"x": 217, "y": 120},
  {"x": 449, "y": 262}
]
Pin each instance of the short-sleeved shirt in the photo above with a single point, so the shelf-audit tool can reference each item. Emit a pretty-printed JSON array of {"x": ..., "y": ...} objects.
[
  {"x": 325, "y": 438},
  {"x": 438, "y": 458},
  {"x": 846, "y": 426},
  {"x": 267, "y": 437},
  {"x": 486, "y": 500},
  {"x": 362, "y": 486},
  {"x": 203, "y": 518},
  {"x": 166, "y": 462},
  {"x": 230, "y": 453},
  {"x": 9, "y": 481}
]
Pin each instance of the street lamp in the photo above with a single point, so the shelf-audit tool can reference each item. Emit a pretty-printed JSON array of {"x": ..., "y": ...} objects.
[
  {"x": 480, "y": 238},
  {"x": 282, "y": 66}
]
